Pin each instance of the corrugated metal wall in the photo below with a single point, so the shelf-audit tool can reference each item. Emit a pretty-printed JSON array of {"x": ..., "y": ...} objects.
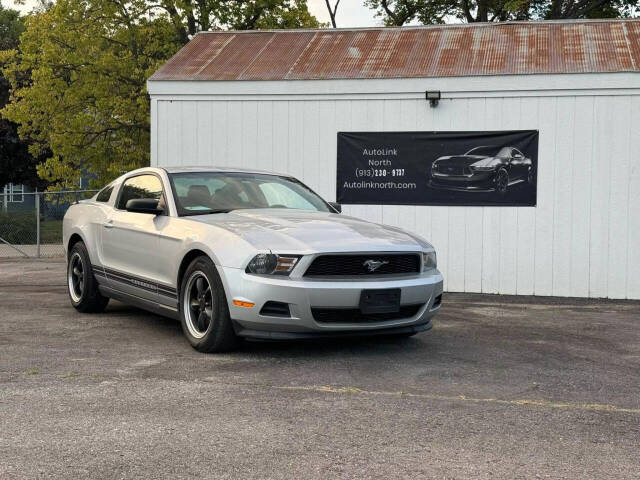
[{"x": 583, "y": 238}]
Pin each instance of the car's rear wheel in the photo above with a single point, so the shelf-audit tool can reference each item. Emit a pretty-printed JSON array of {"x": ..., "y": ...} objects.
[
  {"x": 82, "y": 285},
  {"x": 531, "y": 176},
  {"x": 502, "y": 181},
  {"x": 204, "y": 312}
]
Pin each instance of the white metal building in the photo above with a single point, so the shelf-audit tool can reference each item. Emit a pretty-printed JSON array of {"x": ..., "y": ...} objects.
[{"x": 276, "y": 100}]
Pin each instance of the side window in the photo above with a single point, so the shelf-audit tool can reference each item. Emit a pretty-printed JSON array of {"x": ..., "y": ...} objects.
[
  {"x": 141, "y": 186},
  {"x": 105, "y": 194},
  {"x": 16, "y": 193}
]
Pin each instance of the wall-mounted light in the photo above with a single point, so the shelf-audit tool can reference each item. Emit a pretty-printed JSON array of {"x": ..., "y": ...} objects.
[{"x": 433, "y": 97}]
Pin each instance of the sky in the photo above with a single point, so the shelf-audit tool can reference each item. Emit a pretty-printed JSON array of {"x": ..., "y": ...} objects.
[{"x": 351, "y": 13}]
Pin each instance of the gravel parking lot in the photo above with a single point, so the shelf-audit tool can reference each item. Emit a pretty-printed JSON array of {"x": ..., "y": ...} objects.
[{"x": 502, "y": 387}]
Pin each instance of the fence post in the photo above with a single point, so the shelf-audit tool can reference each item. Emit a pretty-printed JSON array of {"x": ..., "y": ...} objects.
[{"x": 37, "y": 223}]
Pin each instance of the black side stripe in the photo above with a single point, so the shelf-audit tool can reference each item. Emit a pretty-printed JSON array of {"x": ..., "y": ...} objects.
[
  {"x": 97, "y": 271},
  {"x": 138, "y": 282},
  {"x": 167, "y": 291}
]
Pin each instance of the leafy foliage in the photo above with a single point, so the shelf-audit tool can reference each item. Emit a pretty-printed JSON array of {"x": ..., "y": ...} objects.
[
  {"x": 79, "y": 75},
  {"x": 86, "y": 63},
  {"x": 18, "y": 227},
  {"x": 401, "y": 12},
  {"x": 16, "y": 164},
  {"x": 190, "y": 17}
]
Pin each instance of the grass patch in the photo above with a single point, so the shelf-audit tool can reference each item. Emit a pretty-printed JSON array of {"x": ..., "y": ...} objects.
[{"x": 51, "y": 231}]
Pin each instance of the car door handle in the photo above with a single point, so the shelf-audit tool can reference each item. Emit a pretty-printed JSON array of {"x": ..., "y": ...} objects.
[{"x": 109, "y": 224}]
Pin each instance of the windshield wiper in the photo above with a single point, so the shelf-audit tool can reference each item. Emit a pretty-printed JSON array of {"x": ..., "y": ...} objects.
[{"x": 207, "y": 212}]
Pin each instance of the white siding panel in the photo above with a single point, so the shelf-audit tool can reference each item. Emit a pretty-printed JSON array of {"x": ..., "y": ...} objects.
[
  {"x": 582, "y": 238},
  {"x": 310, "y": 159},
  {"x": 296, "y": 152},
  {"x": 219, "y": 149},
  {"x": 543, "y": 247},
  {"x": 633, "y": 236},
  {"x": 600, "y": 188},
  {"x": 189, "y": 132},
  {"x": 234, "y": 134},
  {"x": 175, "y": 154},
  {"x": 280, "y": 128},
  {"x": 580, "y": 198},
  {"x": 264, "y": 136},
  {"x": 249, "y": 134},
  {"x": 563, "y": 167},
  {"x": 203, "y": 129},
  {"x": 619, "y": 197},
  {"x": 327, "y": 150}
]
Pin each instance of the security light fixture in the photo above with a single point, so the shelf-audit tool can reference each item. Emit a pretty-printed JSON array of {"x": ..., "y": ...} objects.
[{"x": 433, "y": 97}]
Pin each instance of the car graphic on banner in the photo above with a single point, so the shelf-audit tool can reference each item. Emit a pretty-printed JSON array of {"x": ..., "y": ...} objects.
[{"x": 488, "y": 168}]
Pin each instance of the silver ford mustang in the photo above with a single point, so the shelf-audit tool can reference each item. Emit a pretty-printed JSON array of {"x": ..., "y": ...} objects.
[{"x": 234, "y": 253}]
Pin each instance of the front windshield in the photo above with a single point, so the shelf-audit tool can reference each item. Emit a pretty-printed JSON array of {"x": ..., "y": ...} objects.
[
  {"x": 200, "y": 193},
  {"x": 488, "y": 151}
]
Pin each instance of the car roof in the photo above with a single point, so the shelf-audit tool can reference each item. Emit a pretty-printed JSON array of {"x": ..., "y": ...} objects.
[{"x": 187, "y": 169}]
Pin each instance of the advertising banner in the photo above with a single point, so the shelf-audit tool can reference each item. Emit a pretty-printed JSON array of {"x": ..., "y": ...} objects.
[{"x": 438, "y": 168}]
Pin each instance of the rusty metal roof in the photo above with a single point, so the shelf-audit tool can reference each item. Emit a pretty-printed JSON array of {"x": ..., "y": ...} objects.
[{"x": 511, "y": 48}]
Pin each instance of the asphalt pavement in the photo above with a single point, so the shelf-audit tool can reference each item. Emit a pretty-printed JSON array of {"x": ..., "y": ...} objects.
[{"x": 502, "y": 387}]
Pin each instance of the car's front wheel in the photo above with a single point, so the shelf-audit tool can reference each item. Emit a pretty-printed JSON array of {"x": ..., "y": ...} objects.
[
  {"x": 82, "y": 285},
  {"x": 204, "y": 312},
  {"x": 502, "y": 181}
]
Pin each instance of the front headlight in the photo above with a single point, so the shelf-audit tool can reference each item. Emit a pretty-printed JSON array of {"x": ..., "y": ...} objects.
[
  {"x": 486, "y": 165},
  {"x": 271, "y": 264},
  {"x": 429, "y": 261}
]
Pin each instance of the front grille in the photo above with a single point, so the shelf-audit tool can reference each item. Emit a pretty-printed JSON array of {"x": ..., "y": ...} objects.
[
  {"x": 452, "y": 170},
  {"x": 356, "y": 264},
  {"x": 354, "y": 315}
]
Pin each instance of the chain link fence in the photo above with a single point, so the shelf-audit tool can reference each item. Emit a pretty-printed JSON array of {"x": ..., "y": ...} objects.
[{"x": 31, "y": 223}]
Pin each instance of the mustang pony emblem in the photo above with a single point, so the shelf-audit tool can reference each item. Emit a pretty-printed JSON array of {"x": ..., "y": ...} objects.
[{"x": 373, "y": 265}]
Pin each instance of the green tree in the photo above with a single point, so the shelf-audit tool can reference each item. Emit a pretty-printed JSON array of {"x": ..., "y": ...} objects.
[
  {"x": 78, "y": 82},
  {"x": 17, "y": 165},
  {"x": 79, "y": 74},
  {"x": 401, "y": 12},
  {"x": 192, "y": 16}
]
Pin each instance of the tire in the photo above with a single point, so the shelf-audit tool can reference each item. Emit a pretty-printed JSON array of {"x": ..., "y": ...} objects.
[
  {"x": 81, "y": 283},
  {"x": 531, "y": 176},
  {"x": 201, "y": 291},
  {"x": 502, "y": 181}
]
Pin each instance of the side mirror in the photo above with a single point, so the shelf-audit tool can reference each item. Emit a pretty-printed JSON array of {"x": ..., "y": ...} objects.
[
  {"x": 336, "y": 206},
  {"x": 144, "y": 205}
]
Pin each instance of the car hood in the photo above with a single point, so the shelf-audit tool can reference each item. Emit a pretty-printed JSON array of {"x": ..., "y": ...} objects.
[
  {"x": 460, "y": 160},
  {"x": 300, "y": 231}
]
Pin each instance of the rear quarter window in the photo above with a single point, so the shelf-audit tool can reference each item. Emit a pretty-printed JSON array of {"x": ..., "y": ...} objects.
[{"x": 104, "y": 195}]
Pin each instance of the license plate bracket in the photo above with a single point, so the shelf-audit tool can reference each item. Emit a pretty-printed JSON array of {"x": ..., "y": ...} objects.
[{"x": 385, "y": 300}]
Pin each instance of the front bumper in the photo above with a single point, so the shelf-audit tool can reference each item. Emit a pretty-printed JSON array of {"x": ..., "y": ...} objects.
[
  {"x": 478, "y": 181},
  {"x": 304, "y": 294}
]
